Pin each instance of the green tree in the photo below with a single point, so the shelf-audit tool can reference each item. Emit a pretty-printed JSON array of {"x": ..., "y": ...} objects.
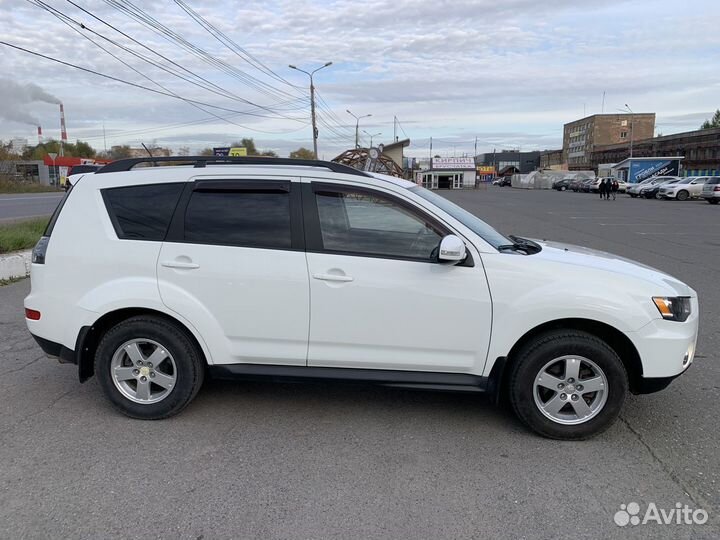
[
  {"x": 714, "y": 122},
  {"x": 206, "y": 152},
  {"x": 77, "y": 149},
  {"x": 302, "y": 153},
  {"x": 267, "y": 153}
]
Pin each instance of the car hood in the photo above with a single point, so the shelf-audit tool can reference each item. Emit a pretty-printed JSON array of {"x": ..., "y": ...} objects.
[{"x": 569, "y": 254}]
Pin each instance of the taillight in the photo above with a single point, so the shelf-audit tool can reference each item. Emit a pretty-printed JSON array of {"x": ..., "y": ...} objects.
[
  {"x": 32, "y": 314},
  {"x": 38, "y": 252},
  {"x": 716, "y": 188}
]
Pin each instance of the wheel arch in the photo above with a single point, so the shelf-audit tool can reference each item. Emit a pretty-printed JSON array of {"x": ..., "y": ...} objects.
[
  {"x": 90, "y": 336},
  {"x": 616, "y": 339}
]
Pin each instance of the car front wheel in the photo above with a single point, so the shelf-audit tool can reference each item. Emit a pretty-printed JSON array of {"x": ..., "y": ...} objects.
[
  {"x": 568, "y": 385},
  {"x": 148, "y": 367},
  {"x": 682, "y": 195}
]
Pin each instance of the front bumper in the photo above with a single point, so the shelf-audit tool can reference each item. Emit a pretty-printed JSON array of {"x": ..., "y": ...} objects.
[{"x": 667, "y": 348}]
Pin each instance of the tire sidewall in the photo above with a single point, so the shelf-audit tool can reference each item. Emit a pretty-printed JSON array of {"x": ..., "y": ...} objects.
[
  {"x": 174, "y": 341},
  {"x": 554, "y": 346}
]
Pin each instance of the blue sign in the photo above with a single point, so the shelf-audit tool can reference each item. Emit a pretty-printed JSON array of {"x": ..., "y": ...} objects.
[
  {"x": 222, "y": 151},
  {"x": 647, "y": 168}
]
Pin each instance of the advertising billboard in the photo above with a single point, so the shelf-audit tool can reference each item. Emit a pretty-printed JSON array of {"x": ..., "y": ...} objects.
[
  {"x": 453, "y": 163},
  {"x": 647, "y": 168},
  {"x": 226, "y": 151}
]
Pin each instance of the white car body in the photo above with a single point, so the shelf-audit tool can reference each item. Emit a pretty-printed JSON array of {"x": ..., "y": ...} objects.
[
  {"x": 313, "y": 309},
  {"x": 686, "y": 188}
]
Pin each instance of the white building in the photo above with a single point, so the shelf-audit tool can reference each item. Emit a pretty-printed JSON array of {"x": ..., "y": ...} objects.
[{"x": 449, "y": 173}]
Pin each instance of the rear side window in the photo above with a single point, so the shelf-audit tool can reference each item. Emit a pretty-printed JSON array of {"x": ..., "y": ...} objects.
[
  {"x": 142, "y": 212},
  {"x": 250, "y": 218}
]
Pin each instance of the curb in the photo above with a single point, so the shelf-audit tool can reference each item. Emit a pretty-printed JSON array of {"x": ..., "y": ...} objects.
[{"x": 15, "y": 265}]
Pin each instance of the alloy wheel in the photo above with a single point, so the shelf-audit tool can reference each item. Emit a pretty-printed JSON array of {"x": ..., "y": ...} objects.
[{"x": 143, "y": 371}]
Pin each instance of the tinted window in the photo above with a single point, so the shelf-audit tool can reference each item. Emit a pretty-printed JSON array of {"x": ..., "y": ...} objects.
[
  {"x": 239, "y": 218},
  {"x": 368, "y": 224},
  {"x": 142, "y": 212}
]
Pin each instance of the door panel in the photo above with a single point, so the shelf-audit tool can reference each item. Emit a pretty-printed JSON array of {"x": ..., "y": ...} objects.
[
  {"x": 251, "y": 305},
  {"x": 396, "y": 314}
]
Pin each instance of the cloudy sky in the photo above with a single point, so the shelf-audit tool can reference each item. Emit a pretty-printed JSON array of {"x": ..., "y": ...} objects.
[{"x": 508, "y": 72}]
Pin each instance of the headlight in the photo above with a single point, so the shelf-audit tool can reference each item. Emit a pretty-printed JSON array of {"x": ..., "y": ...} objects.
[{"x": 673, "y": 308}]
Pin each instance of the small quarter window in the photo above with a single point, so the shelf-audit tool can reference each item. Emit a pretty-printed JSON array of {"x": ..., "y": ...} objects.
[{"x": 142, "y": 212}]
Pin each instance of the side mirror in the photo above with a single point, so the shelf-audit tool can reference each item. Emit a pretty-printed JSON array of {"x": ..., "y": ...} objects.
[{"x": 452, "y": 249}]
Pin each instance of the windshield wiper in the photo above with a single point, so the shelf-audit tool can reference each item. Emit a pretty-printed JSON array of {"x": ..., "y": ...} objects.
[{"x": 521, "y": 244}]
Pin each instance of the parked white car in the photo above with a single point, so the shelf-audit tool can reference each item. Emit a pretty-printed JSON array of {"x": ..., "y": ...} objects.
[
  {"x": 690, "y": 186},
  {"x": 262, "y": 268}
]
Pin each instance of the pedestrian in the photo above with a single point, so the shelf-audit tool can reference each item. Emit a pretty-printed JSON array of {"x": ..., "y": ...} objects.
[
  {"x": 601, "y": 188},
  {"x": 614, "y": 188},
  {"x": 608, "y": 189}
]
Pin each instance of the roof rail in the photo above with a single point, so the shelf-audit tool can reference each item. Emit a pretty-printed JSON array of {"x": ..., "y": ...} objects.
[{"x": 200, "y": 161}]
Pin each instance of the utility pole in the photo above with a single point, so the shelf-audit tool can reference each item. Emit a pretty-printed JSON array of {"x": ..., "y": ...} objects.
[
  {"x": 312, "y": 102},
  {"x": 357, "y": 126}
]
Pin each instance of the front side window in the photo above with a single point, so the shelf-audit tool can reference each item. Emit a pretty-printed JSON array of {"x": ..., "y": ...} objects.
[
  {"x": 259, "y": 218},
  {"x": 370, "y": 224}
]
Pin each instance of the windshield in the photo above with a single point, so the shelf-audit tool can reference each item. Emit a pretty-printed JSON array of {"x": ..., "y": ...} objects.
[{"x": 474, "y": 223}]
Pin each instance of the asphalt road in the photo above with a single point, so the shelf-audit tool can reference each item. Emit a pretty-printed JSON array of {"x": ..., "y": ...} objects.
[
  {"x": 321, "y": 461},
  {"x": 27, "y": 205}
]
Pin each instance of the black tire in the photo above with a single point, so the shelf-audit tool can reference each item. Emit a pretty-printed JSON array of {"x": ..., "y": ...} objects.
[
  {"x": 633, "y": 196},
  {"x": 531, "y": 359},
  {"x": 712, "y": 201},
  {"x": 188, "y": 362},
  {"x": 682, "y": 195},
  {"x": 563, "y": 188}
]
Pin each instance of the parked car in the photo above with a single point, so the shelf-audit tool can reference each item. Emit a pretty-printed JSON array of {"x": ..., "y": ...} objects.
[
  {"x": 690, "y": 186},
  {"x": 562, "y": 184},
  {"x": 634, "y": 189},
  {"x": 711, "y": 190},
  {"x": 505, "y": 181},
  {"x": 266, "y": 268},
  {"x": 587, "y": 185},
  {"x": 650, "y": 192},
  {"x": 622, "y": 186},
  {"x": 575, "y": 184}
]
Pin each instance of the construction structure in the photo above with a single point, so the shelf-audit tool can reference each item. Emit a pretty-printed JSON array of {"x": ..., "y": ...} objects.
[{"x": 371, "y": 160}]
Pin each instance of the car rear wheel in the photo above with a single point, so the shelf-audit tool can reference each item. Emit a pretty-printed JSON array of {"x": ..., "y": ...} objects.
[
  {"x": 148, "y": 367},
  {"x": 563, "y": 188},
  {"x": 567, "y": 385},
  {"x": 682, "y": 195}
]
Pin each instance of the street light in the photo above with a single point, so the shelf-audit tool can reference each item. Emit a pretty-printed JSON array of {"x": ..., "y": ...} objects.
[
  {"x": 312, "y": 101},
  {"x": 371, "y": 135},
  {"x": 357, "y": 125}
]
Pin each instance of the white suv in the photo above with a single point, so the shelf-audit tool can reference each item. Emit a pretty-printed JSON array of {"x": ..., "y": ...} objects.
[
  {"x": 285, "y": 269},
  {"x": 690, "y": 186}
]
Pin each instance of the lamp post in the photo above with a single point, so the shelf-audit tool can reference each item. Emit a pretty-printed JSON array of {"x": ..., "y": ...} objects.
[
  {"x": 312, "y": 101},
  {"x": 357, "y": 125},
  {"x": 371, "y": 135},
  {"x": 632, "y": 128}
]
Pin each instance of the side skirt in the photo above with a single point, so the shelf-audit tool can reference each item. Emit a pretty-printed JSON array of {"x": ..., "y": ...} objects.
[{"x": 427, "y": 380}]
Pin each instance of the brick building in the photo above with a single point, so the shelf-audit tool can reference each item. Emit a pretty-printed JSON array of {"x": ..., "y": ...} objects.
[
  {"x": 552, "y": 159},
  {"x": 581, "y": 137},
  {"x": 700, "y": 149}
]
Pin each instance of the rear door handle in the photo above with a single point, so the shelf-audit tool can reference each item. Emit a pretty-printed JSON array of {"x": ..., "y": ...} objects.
[
  {"x": 180, "y": 264},
  {"x": 332, "y": 277}
]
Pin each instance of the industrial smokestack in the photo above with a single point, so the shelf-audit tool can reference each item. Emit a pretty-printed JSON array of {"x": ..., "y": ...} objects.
[
  {"x": 63, "y": 130},
  {"x": 39, "y": 134}
]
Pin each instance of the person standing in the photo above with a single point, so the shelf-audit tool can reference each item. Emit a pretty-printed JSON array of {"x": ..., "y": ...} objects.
[
  {"x": 608, "y": 188},
  {"x": 615, "y": 186},
  {"x": 601, "y": 188}
]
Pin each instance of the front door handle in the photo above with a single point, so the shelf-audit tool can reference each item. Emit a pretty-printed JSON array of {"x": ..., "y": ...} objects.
[
  {"x": 180, "y": 264},
  {"x": 332, "y": 277}
]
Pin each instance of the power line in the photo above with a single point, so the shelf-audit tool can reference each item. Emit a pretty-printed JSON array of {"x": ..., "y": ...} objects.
[
  {"x": 116, "y": 79},
  {"x": 231, "y": 44},
  {"x": 136, "y": 13}
]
